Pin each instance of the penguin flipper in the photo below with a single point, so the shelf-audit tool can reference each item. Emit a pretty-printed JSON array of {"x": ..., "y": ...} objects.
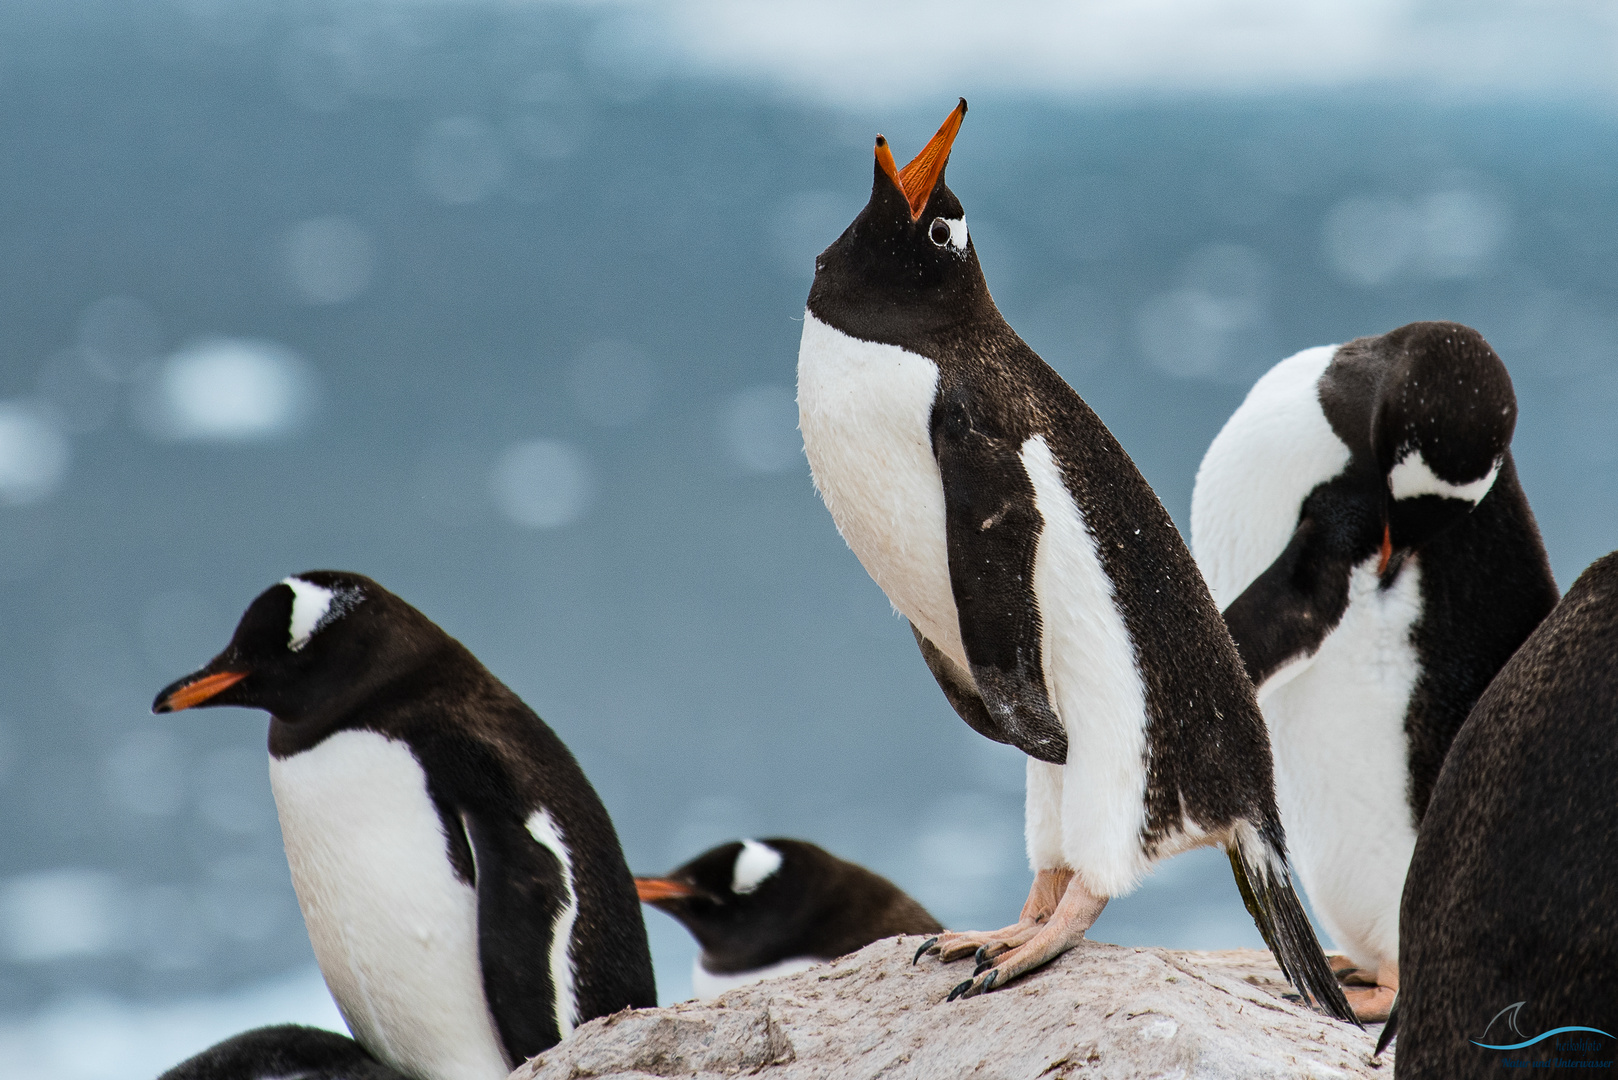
[
  {"x": 992, "y": 526},
  {"x": 959, "y": 689},
  {"x": 1287, "y": 611},
  {"x": 521, "y": 889},
  {"x": 1259, "y": 864}
]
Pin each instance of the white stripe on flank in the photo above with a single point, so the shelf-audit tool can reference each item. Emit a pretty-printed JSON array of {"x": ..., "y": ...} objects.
[
  {"x": 1413, "y": 477},
  {"x": 310, "y": 603},
  {"x": 543, "y": 829},
  {"x": 1095, "y": 686}
]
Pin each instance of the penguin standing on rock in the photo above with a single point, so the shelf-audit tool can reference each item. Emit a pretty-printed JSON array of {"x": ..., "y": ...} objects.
[
  {"x": 763, "y": 908},
  {"x": 461, "y": 882},
  {"x": 1508, "y": 942},
  {"x": 1360, "y": 517},
  {"x": 1049, "y": 591}
]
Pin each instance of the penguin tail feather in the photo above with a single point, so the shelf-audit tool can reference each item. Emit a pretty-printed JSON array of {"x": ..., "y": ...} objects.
[
  {"x": 1390, "y": 1029},
  {"x": 1260, "y": 864}
]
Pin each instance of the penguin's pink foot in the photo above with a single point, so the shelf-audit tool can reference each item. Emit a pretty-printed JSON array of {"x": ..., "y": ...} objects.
[
  {"x": 1370, "y": 994},
  {"x": 1042, "y": 902},
  {"x": 1065, "y": 928},
  {"x": 1370, "y": 1003}
]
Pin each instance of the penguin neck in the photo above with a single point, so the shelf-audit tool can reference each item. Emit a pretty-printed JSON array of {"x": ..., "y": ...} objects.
[
  {"x": 897, "y": 313},
  {"x": 369, "y": 703}
]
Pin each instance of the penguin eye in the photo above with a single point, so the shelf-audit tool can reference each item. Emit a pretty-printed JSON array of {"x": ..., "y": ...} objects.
[{"x": 939, "y": 232}]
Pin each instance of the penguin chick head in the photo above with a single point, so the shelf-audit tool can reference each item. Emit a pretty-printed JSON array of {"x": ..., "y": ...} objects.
[
  {"x": 1440, "y": 428},
  {"x": 906, "y": 264},
  {"x": 310, "y": 644},
  {"x": 735, "y": 897}
]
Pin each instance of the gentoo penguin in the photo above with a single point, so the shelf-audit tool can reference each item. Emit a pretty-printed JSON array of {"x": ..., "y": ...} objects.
[
  {"x": 461, "y": 882},
  {"x": 1360, "y": 519},
  {"x": 284, "y": 1052},
  {"x": 762, "y": 908},
  {"x": 1510, "y": 900},
  {"x": 1050, "y": 593}
]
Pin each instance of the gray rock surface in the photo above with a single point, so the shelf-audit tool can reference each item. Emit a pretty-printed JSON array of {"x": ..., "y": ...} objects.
[{"x": 1099, "y": 1011}]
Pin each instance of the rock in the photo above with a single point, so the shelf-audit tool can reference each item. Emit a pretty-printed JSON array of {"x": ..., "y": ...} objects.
[{"x": 1099, "y": 1011}]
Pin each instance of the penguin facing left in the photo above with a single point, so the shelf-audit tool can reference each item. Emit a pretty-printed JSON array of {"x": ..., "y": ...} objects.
[
  {"x": 284, "y": 1052},
  {"x": 461, "y": 882},
  {"x": 764, "y": 908}
]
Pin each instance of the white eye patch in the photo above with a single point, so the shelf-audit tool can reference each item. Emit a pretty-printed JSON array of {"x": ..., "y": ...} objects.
[
  {"x": 313, "y": 606},
  {"x": 755, "y": 862},
  {"x": 1412, "y": 477},
  {"x": 949, "y": 233}
]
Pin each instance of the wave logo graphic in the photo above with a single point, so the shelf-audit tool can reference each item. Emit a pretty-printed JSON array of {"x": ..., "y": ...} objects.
[{"x": 1514, "y": 1009}]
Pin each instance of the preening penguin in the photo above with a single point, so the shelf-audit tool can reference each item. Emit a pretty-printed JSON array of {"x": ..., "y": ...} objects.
[
  {"x": 1048, "y": 589},
  {"x": 461, "y": 882},
  {"x": 284, "y": 1052},
  {"x": 1514, "y": 882},
  {"x": 762, "y": 908},
  {"x": 1360, "y": 518}
]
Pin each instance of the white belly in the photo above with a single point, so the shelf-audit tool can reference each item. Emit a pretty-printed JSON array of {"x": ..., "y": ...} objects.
[
  {"x": 394, "y": 930},
  {"x": 863, "y": 409},
  {"x": 1341, "y": 765}
]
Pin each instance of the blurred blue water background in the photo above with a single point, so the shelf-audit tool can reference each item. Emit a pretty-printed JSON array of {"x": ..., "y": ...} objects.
[{"x": 498, "y": 303}]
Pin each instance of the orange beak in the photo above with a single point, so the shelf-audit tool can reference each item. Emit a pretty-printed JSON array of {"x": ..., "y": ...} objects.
[
  {"x": 196, "y": 693},
  {"x": 650, "y": 889},
  {"x": 917, "y": 179},
  {"x": 1387, "y": 550}
]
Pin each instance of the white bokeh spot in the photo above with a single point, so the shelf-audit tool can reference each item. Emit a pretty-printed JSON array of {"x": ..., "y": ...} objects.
[
  {"x": 228, "y": 390},
  {"x": 541, "y": 484}
]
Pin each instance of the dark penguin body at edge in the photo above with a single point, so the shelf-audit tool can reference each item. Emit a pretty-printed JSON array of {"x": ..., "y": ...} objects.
[
  {"x": 1514, "y": 882},
  {"x": 462, "y": 883},
  {"x": 967, "y": 476},
  {"x": 284, "y": 1052},
  {"x": 758, "y": 906}
]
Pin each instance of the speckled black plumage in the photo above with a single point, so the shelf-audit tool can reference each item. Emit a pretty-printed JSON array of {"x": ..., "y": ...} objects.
[{"x": 1513, "y": 887}]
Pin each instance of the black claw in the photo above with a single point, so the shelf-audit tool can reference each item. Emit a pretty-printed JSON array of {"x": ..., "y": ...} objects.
[
  {"x": 981, "y": 955},
  {"x": 959, "y": 990},
  {"x": 983, "y": 964},
  {"x": 988, "y": 984},
  {"x": 929, "y": 943}
]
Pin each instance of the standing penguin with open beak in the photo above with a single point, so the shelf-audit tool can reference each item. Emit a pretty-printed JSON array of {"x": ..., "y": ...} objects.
[{"x": 1049, "y": 591}]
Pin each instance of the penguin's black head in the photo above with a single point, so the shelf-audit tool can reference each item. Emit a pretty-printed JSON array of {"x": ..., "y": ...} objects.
[
  {"x": 308, "y": 645},
  {"x": 906, "y": 266},
  {"x": 1441, "y": 426},
  {"x": 738, "y": 899}
]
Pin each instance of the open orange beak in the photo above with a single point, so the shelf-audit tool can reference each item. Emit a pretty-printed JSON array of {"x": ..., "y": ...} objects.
[
  {"x": 650, "y": 889},
  {"x": 195, "y": 693},
  {"x": 917, "y": 179}
]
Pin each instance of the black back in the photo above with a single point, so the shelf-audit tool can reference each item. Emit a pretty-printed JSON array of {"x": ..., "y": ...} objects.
[
  {"x": 1513, "y": 887},
  {"x": 814, "y": 905},
  {"x": 380, "y": 665},
  {"x": 282, "y": 1053},
  {"x": 1486, "y": 582},
  {"x": 886, "y": 280}
]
